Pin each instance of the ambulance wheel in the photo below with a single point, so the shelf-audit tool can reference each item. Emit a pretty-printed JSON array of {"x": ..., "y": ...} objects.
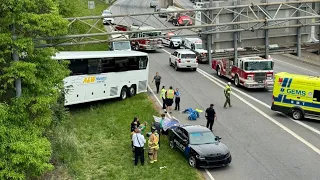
[
  {"x": 236, "y": 80},
  {"x": 123, "y": 93},
  {"x": 192, "y": 161},
  {"x": 297, "y": 114}
]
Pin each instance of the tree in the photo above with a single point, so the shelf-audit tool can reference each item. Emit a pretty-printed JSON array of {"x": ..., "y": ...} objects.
[{"x": 24, "y": 150}]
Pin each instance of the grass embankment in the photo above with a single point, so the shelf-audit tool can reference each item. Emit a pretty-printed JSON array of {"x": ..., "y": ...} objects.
[
  {"x": 103, "y": 146},
  {"x": 81, "y": 9}
]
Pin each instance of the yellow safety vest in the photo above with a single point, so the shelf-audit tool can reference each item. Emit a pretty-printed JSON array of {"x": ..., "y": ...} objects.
[
  {"x": 163, "y": 93},
  {"x": 155, "y": 143},
  {"x": 227, "y": 89},
  {"x": 170, "y": 94}
]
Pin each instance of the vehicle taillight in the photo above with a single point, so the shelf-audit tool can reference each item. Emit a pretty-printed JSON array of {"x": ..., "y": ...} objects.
[
  {"x": 180, "y": 21},
  {"x": 272, "y": 99},
  {"x": 196, "y": 59},
  {"x": 147, "y": 42},
  {"x": 179, "y": 60},
  {"x": 269, "y": 76}
]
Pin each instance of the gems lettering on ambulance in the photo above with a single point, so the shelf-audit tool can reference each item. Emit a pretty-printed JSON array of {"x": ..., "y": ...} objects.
[{"x": 296, "y": 92}]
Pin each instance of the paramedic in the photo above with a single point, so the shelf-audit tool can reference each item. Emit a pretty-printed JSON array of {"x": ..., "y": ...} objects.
[
  {"x": 163, "y": 97},
  {"x": 157, "y": 80},
  {"x": 210, "y": 116},
  {"x": 138, "y": 143},
  {"x": 153, "y": 145},
  {"x": 177, "y": 100},
  {"x": 227, "y": 92},
  {"x": 169, "y": 99}
]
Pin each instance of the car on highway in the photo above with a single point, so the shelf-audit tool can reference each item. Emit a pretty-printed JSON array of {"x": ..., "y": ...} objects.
[
  {"x": 153, "y": 3},
  {"x": 183, "y": 59},
  {"x": 172, "y": 42},
  {"x": 163, "y": 13},
  {"x": 200, "y": 146},
  {"x": 107, "y": 20}
]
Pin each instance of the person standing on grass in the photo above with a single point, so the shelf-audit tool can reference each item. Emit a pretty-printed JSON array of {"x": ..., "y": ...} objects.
[
  {"x": 138, "y": 143},
  {"x": 135, "y": 123},
  {"x": 157, "y": 79},
  {"x": 177, "y": 99},
  {"x": 163, "y": 97},
  {"x": 153, "y": 145}
]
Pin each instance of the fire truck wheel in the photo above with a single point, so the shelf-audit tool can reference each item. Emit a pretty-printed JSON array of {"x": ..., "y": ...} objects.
[
  {"x": 218, "y": 71},
  {"x": 136, "y": 47},
  {"x": 236, "y": 81}
]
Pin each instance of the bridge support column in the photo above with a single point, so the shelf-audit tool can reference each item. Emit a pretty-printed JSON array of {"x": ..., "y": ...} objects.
[
  {"x": 298, "y": 36},
  {"x": 209, "y": 36},
  {"x": 235, "y": 34},
  {"x": 266, "y": 39}
]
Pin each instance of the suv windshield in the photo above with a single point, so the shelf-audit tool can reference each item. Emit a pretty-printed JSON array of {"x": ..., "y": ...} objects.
[
  {"x": 202, "y": 138},
  {"x": 198, "y": 46},
  {"x": 188, "y": 56},
  {"x": 258, "y": 65}
]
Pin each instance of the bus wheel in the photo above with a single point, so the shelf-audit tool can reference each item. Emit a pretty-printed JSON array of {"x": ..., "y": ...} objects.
[
  {"x": 123, "y": 93},
  {"x": 297, "y": 114},
  {"x": 132, "y": 91}
]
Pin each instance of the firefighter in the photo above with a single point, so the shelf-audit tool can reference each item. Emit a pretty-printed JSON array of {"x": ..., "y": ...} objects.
[
  {"x": 163, "y": 97},
  {"x": 227, "y": 92},
  {"x": 153, "y": 145}
]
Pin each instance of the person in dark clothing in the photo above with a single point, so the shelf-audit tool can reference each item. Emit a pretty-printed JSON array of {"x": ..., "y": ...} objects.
[
  {"x": 157, "y": 79},
  {"x": 177, "y": 99},
  {"x": 135, "y": 124},
  {"x": 210, "y": 116}
]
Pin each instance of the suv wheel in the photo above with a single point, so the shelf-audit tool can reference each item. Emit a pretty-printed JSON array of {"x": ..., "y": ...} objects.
[
  {"x": 176, "y": 67},
  {"x": 192, "y": 161}
]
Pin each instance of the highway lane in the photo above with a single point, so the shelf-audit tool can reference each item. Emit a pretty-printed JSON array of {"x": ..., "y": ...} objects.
[
  {"x": 202, "y": 99},
  {"x": 260, "y": 149}
]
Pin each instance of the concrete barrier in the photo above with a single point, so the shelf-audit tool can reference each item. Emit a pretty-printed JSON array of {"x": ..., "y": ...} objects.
[{"x": 306, "y": 57}]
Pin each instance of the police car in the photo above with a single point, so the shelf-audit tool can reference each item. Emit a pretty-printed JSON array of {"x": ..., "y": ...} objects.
[{"x": 200, "y": 146}]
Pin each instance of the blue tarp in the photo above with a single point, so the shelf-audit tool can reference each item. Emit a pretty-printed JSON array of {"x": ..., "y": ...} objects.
[{"x": 193, "y": 114}]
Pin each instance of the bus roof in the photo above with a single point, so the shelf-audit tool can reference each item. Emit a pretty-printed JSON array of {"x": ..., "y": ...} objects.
[{"x": 96, "y": 54}]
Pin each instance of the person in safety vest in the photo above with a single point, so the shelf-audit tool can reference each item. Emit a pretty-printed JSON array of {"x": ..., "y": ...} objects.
[
  {"x": 227, "y": 92},
  {"x": 163, "y": 97},
  {"x": 169, "y": 99},
  {"x": 153, "y": 145}
]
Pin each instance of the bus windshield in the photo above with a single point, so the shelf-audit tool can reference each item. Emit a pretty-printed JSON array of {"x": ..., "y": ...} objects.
[
  {"x": 258, "y": 65},
  {"x": 121, "y": 45}
]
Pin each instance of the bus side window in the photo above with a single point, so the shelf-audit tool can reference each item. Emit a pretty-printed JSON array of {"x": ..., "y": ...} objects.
[
  {"x": 143, "y": 62},
  {"x": 78, "y": 66},
  {"x": 316, "y": 95},
  {"x": 121, "y": 64},
  {"x": 94, "y": 66},
  {"x": 108, "y": 65},
  {"x": 133, "y": 63}
]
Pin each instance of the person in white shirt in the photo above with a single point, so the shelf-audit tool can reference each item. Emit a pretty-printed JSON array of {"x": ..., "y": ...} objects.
[{"x": 138, "y": 143}]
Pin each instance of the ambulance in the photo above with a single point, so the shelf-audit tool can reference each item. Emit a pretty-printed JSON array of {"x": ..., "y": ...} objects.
[{"x": 296, "y": 95}]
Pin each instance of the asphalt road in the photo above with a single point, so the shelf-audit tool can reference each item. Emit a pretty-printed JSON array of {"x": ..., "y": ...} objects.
[{"x": 264, "y": 144}]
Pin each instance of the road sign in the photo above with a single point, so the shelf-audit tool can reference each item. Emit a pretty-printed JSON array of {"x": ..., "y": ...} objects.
[{"x": 91, "y": 5}]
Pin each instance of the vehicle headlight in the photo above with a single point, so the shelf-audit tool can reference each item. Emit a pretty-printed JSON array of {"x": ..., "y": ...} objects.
[
  {"x": 269, "y": 77},
  {"x": 250, "y": 77},
  {"x": 200, "y": 157}
]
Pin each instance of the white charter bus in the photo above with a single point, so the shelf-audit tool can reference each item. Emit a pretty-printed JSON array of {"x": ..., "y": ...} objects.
[{"x": 98, "y": 75}]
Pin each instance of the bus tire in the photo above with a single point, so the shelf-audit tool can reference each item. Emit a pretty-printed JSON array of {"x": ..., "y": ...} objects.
[
  {"x": 297, "y": 114},
  {"x": 132, "y": 91},
  {"x": 124, "y": 93}
]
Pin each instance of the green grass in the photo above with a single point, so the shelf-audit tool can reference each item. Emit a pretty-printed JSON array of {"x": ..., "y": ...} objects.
[
  {"x": 81, "y": 9},
  {"x": 101, "y": 135}
]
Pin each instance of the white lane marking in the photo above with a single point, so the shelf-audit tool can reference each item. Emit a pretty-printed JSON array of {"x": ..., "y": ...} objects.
[
  {"x": 216, "y": 81},
  {"x": 295, "y": 66},
  {"x": 208, "y": 173},
  {"x": 264, "y": 104}
]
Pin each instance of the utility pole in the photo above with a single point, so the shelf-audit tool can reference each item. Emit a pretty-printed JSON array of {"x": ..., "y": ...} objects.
[
  {"x": 15, "y": 57},
  {"x": 209, "y": 36},
  {"x": 235, "y": 34}
]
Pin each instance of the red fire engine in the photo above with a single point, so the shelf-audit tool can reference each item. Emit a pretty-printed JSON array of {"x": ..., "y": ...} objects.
[
  {"x": 250, "y": 72},
  {"x": 149, "y": 41}
]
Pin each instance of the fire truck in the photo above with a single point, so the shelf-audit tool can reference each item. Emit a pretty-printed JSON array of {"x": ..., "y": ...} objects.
[
  {"x": 149, "y": 41},
  {"x": 250, "y": 72}
]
